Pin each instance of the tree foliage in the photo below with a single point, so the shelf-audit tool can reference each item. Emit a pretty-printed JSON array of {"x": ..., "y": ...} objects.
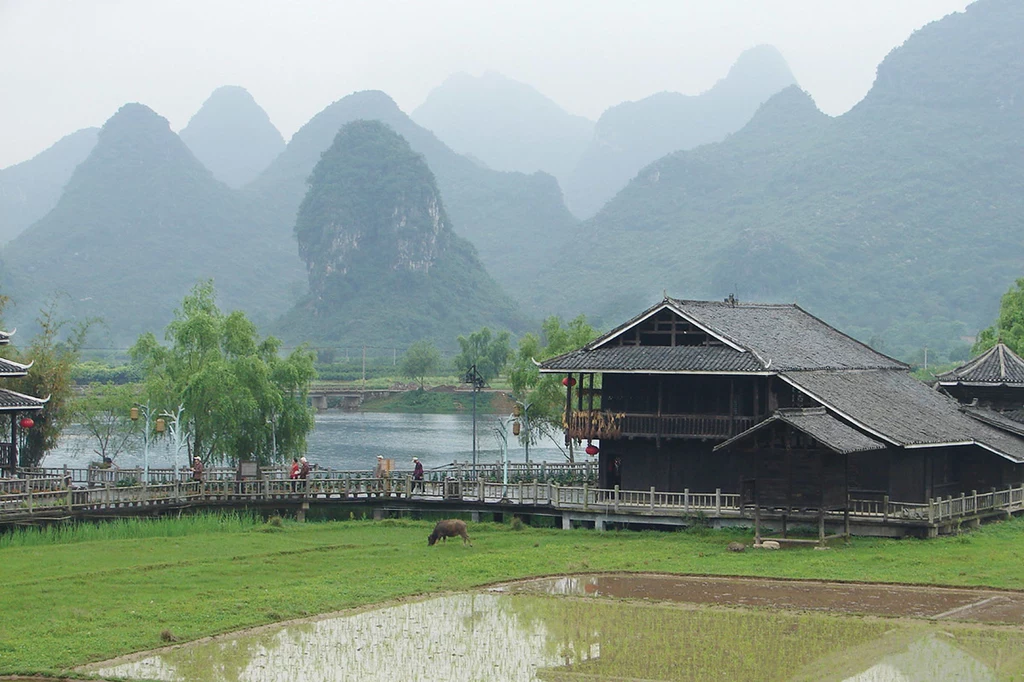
[
  {"x": 1009, "y": 327},
  {"x": 53, "y": 353},
  {"x": 489, "y": 353},
  {"x": 544, "y": 393},
  {"x": 240, "y": 398},
  {"x": 103, "y": 411},
  {"x": 420, "y": 361}
]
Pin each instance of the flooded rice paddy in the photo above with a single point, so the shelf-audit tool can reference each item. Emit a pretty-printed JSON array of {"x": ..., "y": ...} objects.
[{"x": 628, "y": 627}]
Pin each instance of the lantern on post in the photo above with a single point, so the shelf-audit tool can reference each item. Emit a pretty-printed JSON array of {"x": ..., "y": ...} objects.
[
  {"x": 160, "y": 425},
  {"x": 26, "y": 423},
  {"x": 569, "y": 381},
  {"x": 515, "y": 428}
]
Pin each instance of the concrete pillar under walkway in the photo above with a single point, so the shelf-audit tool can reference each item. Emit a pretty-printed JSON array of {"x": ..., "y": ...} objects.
[{"x": 566, "y": 521}]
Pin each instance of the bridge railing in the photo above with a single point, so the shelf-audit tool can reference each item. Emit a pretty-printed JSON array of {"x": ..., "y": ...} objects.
[{"x": 52, "y": 497}]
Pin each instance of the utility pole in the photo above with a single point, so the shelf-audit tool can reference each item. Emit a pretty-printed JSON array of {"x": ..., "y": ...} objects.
[
  {"x": 364, "y": 366},
  {"x": 473, "y": 377}
]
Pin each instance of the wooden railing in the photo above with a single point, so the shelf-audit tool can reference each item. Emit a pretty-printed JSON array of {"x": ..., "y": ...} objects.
[
  {"x": 51, "y": 497},
  {"x": 597, "y": 424}
]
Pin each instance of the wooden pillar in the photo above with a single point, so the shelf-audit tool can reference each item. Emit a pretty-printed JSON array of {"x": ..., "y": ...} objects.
[
  {"x": 657, "y": 434},
  {"x": 14, "y": 445}
]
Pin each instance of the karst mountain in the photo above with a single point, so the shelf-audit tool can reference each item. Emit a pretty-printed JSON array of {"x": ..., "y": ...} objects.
[
  {"x": 232, "y": 136},
  {"x": 140, "y": 222},
  {"x": 899, "y": 220},
  {"x": 382, "y": 258}
]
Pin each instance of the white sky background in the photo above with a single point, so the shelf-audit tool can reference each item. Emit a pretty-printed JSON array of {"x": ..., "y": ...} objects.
[{"x": 66, "y": 64}]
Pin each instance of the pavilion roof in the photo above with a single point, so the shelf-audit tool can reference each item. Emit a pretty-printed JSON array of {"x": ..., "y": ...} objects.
[
  {"x": 998, "y": 365},
  {"x": 12, "y": 401}
]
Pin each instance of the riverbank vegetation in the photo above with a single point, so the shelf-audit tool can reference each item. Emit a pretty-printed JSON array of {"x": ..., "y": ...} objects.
[{"x": 73, "y": 597}]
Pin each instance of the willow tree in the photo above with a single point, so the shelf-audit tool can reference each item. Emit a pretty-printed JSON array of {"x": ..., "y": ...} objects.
[
  {"x": 545, "y": 394},
  {"x": 241, "y": 399}
]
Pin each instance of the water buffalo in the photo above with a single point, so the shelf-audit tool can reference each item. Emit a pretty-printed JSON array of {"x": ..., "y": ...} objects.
[{"x": 449, "y": 528}]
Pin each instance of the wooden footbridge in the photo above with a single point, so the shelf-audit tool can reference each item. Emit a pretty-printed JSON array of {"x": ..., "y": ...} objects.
[{"x": 47, "y": 496}]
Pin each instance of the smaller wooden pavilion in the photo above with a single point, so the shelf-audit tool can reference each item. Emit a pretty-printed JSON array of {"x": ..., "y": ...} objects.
[{"x": 16, "y": 406}]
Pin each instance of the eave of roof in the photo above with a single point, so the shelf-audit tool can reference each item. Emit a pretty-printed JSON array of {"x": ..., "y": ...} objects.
[
  {"x": 818, "y": 424},
  {"x": 12, "y": 401},
  {"x": 999, "y": 365}
]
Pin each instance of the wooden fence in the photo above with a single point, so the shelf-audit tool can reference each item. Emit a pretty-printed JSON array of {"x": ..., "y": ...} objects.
[{"x": 46, "y": 497}]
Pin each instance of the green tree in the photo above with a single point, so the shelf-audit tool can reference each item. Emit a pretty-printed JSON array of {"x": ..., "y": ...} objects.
[
  {"x": 103, "y": 411},
  {"x": 241, "y": 400},
  {"x": 544, "y": 393},
  {"x": 53, "y": 353},
  {"x": 1009, "y": 328},
  {"x": 489, "y": 353},
  {"x": 420, "y": 361}
]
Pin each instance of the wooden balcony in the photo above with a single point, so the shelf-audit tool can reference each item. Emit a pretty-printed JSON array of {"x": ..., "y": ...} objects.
[{"x": 596, "y": 424}]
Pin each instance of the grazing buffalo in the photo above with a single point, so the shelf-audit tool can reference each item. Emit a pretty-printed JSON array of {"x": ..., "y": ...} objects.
[{"x": 449, "y": 528}]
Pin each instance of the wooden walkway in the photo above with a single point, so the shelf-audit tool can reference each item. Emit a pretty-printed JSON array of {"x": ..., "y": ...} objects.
[{"x": 40, "y": 499}]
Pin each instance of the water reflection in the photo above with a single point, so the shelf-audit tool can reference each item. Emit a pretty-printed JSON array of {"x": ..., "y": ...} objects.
[
  {"x": 517, "y": 636},
  {"x": 352, "y": 440}
]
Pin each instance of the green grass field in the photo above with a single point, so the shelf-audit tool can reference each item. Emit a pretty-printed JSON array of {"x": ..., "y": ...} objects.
[{"x": 74, "y": 597}]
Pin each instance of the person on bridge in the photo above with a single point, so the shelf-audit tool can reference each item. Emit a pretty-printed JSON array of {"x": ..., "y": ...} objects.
[
  {"x": 294, "y": 473},
  {"x": 197, "y": 469},
  {"x": 417, "y": 475},
  {"x": 303, "y": 468}
]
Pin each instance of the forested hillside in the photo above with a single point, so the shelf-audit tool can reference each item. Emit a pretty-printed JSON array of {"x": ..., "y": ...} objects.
[
  {"x": 141, "y": 220},
  {"x": 509, "y": 217},
  {"x": 631, "y": 135},
  {"x": 232, "y": 136},
  {"x": 899, "y": 221},
  {"x": 382, "y": 258},
  {"x": 28, "y": 190}
]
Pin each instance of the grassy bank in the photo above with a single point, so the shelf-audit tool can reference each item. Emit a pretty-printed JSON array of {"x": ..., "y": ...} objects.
[
  {"x": 73, "y": 599},
  {"x": 441, "y": 402}
]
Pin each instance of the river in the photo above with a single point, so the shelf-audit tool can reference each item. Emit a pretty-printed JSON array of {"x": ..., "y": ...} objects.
[{"x": 352, "y": 441}]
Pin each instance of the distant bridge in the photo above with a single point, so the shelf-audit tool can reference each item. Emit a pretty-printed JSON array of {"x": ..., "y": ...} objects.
[{"x": 347, "y": 398}]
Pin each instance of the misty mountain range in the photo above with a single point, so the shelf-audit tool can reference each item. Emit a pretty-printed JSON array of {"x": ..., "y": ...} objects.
[{"x": 899, "y": 220}]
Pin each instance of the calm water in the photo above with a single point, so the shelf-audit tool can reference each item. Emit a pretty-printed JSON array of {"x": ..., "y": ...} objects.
[
  {"x": 514, "y": 636},
  {"x": 352, "y": 440}
]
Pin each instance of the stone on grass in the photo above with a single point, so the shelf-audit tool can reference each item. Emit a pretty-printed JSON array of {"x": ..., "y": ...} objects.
[{"x": 736, "y": 547}]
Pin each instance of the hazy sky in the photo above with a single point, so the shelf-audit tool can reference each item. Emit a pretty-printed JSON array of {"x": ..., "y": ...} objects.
[{"x": 66, "y": 65}]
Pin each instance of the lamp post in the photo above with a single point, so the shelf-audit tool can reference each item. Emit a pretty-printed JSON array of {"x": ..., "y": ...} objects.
[
  {"x": 501, "y": 433},
  {"x": 174, "y": 424},
  {"x": 523, "y": 410},
  {"x": 134, "y": 414},
  {"x": 473, "y": 377}
]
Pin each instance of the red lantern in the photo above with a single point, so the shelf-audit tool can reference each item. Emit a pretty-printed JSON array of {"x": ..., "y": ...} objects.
[
  {"x": 593, "y": 449},
  {"x": 26, "y": 423},
  {"x": 568, "y": 381}
]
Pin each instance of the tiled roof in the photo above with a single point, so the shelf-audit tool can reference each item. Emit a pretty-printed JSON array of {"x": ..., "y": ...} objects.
[
  {"x": 784, "y": 337},
  {"x": 11, "y": 401},
  {"x": 1007, "y": 421},
  {"x": 12, "y": 369},
  {"x": 817, "y": 423},
  {"x": 654, "y": 359},
  {"x": 997, "y": 365},
  {"x": 897, "y": 407},
  {"x": 5, "y": 337}
]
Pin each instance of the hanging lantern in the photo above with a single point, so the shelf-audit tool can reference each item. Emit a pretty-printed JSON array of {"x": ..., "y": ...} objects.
[
  {"x": 516, "y": 410},
  {"x": 160, "y": 425},
  {"x": 515, "y": 428},
  {"x": 593, "y": 449},
  {"x": 568, "y": 381},
  {"x": 133, "y": 413},
  {"x": 26, "y": 423}
]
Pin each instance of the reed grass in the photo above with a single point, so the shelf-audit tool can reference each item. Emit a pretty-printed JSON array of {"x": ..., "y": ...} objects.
[{"x": 130, "y": 529}]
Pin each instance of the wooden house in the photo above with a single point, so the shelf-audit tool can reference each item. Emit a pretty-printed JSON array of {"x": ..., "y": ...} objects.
[
  {"x": 773, "y": 403},
  {"x": 16, "y": 406}
]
